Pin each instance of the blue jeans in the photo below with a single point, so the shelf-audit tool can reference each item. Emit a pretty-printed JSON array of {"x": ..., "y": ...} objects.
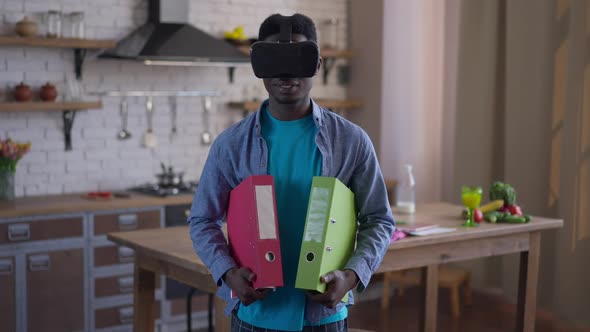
[{"x": 238, "y": 325}]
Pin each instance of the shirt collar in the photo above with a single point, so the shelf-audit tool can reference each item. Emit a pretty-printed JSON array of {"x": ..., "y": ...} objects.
[{"x": 315, "y": 109}]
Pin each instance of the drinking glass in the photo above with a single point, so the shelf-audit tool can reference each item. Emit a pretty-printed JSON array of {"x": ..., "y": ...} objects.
[{"x": 471, "y": 197}]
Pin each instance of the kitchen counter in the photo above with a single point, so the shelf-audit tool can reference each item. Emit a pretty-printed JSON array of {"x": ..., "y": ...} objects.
[{"x": 76, "y": 203}]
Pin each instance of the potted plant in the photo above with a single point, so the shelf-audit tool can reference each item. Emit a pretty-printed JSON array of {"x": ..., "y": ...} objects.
[{"x": 10, "y": 153}]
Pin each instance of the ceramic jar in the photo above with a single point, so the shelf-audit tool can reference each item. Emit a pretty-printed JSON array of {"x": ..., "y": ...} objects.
[
  {"x": 48, "y": 92},
  {"x": 26, "y": 27},
  {"x": 22, "y": 92}
]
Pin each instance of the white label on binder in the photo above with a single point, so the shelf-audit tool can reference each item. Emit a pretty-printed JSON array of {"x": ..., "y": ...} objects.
[
  {"x": 318, "y": 210},
  {"x": 266, "y": 212}
]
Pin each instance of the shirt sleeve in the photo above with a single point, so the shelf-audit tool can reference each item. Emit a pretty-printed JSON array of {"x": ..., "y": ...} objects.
[
  {"x": 207, "y": 213},
  {"x": 376, "y": 223}
]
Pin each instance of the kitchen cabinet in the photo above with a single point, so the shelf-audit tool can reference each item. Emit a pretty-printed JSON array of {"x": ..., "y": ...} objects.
[
  {"x": 42, "y": 269},
  {"x": 58, "y": 272},
  {"x": 48, "y": 229},
  {"x": 118, "y": 316},
  {"x": 55, "y": 290},
  {"x": 112, "y": 255},
  {"x": 126, "y": 221},
  {"x": 111, "y": 271},
  {"x": 8, "y": 291}
]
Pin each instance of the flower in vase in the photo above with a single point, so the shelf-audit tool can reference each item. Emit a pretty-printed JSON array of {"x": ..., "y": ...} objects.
[{"x": 11, "y": 152}]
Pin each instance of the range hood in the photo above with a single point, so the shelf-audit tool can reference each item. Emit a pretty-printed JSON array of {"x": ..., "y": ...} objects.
[{"x": 168, "y": 39}]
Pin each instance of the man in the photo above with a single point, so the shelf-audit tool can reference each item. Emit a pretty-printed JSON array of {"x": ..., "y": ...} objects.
[{"x": 292, "y": 139}]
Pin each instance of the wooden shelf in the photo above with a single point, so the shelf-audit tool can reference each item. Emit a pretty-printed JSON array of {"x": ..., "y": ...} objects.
[
  {"x": 331, "y": 104},
  {"x": 57, "y": 42},
  {"x": 334, "y": 53},
  {"x": 324, "y": 52},
  {"x": 34, "y": 106}
]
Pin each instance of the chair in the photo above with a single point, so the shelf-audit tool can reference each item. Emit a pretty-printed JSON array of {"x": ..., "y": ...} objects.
[{"x": 451, "y": 278}]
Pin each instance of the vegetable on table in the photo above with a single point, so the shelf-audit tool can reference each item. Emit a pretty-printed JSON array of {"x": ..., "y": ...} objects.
[
  {"x": 494, "y": 216},
  {"x": 477, "y": 215},
  {"x": 503, "y": 191},
  {"x": 515, "y": 210},
  {"x": 514, "y": 219},
  {"x": 492, "y": 206}
]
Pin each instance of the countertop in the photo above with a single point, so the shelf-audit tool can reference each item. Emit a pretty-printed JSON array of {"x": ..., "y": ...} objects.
[{"x": 76, "y": 203}]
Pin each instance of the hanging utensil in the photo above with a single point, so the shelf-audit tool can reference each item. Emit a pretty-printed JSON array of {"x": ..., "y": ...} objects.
[
  {"x": 123, "y": 111},
  {"x": 150, "y": 140},
  {"x": 206, "y": 136},
  {"x": 173, "y": 116}
]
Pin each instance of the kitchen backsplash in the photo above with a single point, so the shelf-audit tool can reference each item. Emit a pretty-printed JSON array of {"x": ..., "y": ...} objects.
[{"x": 99, "y": 161}]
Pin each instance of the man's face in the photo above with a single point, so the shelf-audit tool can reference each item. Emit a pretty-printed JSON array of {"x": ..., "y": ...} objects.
[{"x": 288, "y": 90}]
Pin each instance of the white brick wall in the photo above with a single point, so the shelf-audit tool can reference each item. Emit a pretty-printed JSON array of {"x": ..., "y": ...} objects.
[{"x": 99, "y": 161}]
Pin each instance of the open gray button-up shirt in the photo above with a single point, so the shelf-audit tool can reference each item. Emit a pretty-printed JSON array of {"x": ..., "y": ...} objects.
[{"x": 241, "y": 151}]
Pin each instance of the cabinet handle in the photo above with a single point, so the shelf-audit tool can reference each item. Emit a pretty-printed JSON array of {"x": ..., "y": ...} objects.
[
  {"x": 127, "y": 222},
  {"x": 126, "y": 315},
  {"x": 39, "y": 263},
  {"x": 6, "y": 267},
  {"x": 19, "y": 232},
  {"x": 126, "y": 255},
  {"x": 126, "y": 284}
]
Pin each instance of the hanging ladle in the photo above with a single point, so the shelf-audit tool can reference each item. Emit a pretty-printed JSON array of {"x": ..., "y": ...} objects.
[
  {"x": 123, "y": 111},
  {"x": 206, "y": 136},
  {"x": 173, "y": 116}
]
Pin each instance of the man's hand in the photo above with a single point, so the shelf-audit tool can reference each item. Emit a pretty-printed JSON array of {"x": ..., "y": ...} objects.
[
  {"x": 240, "y": 281},
  {"x": 338, "y": 284}
]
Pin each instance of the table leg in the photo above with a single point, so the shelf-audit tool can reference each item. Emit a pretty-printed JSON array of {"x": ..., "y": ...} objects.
[
  {"x": 386, "y": 292},
  {"x": 527, "y": 285},
  {"x": 143, "y": 293},
  {"x": 222, "y": 323},
  {"x": 429, "y": 298}
]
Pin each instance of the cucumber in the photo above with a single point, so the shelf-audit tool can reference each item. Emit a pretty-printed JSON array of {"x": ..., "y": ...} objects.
[
  {"x": 494, "y": 216},
  {"x": 513, "y": 219}
]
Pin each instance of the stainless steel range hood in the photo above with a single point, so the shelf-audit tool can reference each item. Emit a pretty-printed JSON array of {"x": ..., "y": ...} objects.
[{"x": 168, "y": 39}]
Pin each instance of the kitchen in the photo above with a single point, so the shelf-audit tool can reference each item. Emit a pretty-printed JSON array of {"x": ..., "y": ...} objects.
[
  {"x": 132, "y": 163},
  {"x": 110, "y": 163}
]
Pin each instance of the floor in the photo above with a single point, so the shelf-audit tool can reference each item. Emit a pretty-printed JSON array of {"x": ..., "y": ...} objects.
[{"x": 489, "y": 313}]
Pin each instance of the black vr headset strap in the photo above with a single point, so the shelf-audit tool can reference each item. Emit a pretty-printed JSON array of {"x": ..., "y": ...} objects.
[{"x": 286, "y": 29}]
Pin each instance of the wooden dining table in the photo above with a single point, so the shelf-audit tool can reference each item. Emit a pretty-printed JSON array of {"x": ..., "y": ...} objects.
[{"x": 169, "y": 251}]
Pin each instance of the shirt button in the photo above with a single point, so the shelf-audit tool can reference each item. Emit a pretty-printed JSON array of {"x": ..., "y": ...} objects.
[{"x": 262, "y": 164}]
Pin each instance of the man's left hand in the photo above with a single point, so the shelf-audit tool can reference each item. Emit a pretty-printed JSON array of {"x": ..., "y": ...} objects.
[{"x": 338, "y": 283}]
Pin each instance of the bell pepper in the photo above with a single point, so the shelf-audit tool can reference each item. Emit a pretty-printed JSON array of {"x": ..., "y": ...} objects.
[{"x": 514, "y": 210}]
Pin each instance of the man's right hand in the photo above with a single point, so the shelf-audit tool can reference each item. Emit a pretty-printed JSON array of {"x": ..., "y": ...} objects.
[{"x": 240, "y": 282}]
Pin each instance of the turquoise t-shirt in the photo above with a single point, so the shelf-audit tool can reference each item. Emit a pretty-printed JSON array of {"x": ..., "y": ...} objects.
[{"x": 293, "y": 161}]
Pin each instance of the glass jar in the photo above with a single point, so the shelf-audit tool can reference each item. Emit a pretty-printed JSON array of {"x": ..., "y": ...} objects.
[
  {"x": 53, "y": 24},
  {"x": 329, "y": 33},
  {"x": 77, "y": 25}
]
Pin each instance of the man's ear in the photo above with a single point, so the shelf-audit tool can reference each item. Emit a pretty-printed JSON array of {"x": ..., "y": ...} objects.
[{"x": 319, "y": 65}]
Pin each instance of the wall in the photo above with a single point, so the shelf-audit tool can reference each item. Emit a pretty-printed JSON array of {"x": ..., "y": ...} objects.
[
  {"x": 366, "y": 42},
  {"x": 98, "y": 159},
  {"x": 522, "y": 88},
  {"x": 400, "y": 74}
]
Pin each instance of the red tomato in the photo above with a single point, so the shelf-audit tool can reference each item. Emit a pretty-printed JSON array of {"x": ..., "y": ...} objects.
[
  {"x": 477, "y": 215},
  {"x": 515, "y": 210}
]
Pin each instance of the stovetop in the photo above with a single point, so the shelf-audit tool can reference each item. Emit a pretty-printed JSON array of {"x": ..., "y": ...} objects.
[{"x": 156, "y": 190}]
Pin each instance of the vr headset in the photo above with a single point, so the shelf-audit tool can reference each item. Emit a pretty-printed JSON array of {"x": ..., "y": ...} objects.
[{"x": 285, "y": 59}]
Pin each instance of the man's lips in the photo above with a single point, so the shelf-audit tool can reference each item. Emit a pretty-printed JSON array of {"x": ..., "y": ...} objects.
[{"x": 286, "y": 84}]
